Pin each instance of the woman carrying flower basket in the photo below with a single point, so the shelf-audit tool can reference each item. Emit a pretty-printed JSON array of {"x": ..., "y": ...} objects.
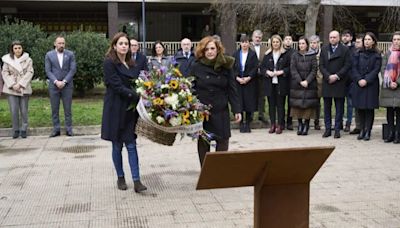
[
  {"x": 215, "y": 85},
  {"x": 119, "y": 120}
]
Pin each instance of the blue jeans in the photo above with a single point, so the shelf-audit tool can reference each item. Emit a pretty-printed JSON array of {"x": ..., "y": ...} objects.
[{"x": 132, "y": 156}]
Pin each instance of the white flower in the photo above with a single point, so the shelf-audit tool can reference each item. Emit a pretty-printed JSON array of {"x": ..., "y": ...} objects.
[
  {"x": 160, "y": 120},
  {"x": 172, "y": 100},
  {"x": 140, "y": 90},
  {"x": 194, "y": 113},
  {"x": 175, "y": 121},
  {"x": 164, "y": 86}
]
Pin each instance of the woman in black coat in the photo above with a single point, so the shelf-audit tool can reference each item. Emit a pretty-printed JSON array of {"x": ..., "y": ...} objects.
[
  {"x": 245, "y": 70},
  {"x": 215, "y": 85},
  {"x": 119, "y": 122},
  {"x": 303, "y": 88},
  {"x": 276, "y": 67},
  {"x": 366, "y": 66}
]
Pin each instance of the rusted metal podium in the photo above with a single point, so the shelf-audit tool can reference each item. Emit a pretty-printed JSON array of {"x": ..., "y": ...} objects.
[{"x": 281, "y": 180}]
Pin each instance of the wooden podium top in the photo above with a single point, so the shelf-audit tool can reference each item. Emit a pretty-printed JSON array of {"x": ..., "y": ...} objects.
[{"x": 243, "y": 168}]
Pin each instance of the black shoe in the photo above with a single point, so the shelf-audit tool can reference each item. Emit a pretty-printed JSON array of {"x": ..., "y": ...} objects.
[
  {"x": 316, "y": 125},
  {"x": 390, "y": 137},
  {"x": 306, "y": 128},
  {"x": 54, "y": 134},
  {"x": 69, "y": 133},
  {"x": 139, "y": 187},
  {"x": 337, "y": 134},
  {"x": 327, "y": 133},
  {"x": 367, "y": 136},
  {"x": 347, "y": 128},
  {"x": 15, "y": 134},
  {"x": 396, "y": 138},
  {"x": 355, "y": 131},
  {"x": 241, "y": 128},
  {"x": 300, "y": 128},
  {"x": 361, "y": 135},
  {"x": 247, "y": 128},
  {"x": 289, "y": 127},
  {"x": 121, "y": 184},
  {"x": 23, "y": 134}
]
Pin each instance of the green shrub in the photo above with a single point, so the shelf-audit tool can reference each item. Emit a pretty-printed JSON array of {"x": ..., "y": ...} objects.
[{"x": 89, "y": 49}]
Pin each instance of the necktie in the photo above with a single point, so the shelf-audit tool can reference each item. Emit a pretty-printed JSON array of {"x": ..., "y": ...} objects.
[
  {"x": 187, "y": 55},
  {"x": 334, "y": 49}
]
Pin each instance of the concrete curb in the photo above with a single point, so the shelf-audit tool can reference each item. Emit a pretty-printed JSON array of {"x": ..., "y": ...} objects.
[{"x": 95, "y": 129}]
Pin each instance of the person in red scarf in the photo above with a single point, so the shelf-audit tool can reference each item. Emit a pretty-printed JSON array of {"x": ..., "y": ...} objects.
[{"x": 390, "y": 92}]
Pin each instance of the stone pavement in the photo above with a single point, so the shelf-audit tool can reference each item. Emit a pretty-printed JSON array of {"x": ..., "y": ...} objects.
[{"x": 70, "y": 182}]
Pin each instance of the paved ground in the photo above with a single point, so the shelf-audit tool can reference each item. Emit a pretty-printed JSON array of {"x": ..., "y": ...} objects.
[{"x": 70, "y": 182}]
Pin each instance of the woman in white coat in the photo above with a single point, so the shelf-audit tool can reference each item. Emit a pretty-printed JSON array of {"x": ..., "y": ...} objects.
[{"x": 17, "y": 74}]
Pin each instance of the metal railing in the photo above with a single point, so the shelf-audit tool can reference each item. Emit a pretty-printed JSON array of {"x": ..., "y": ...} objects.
[{"x": 173, "y": 46}]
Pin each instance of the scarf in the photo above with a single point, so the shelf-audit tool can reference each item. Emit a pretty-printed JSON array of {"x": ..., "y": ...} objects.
[
  {"x": 392, "y": 68},
  {"x": 221, "y": 61}
]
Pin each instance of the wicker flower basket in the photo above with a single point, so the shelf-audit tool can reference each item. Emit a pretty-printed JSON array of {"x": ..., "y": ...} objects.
[{"x": 156, "y": 135}]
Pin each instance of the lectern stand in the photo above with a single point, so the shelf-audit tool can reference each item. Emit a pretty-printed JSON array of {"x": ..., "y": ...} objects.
[{"x": 281, "y": 180}]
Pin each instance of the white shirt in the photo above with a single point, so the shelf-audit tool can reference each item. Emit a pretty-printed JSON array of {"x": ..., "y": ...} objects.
[
  {"x": 276, "y": 56},
  {"x": 257, "y": 50},
  {"x": 60, "y": 56},
  {"x": 244, "y": 58}
]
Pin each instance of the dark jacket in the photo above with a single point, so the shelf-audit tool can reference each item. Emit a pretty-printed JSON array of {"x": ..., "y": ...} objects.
[
  {"x": 140, "y": 63},
  {"x": 216, "y": 88},
  {"x": 304, "y": 67},
  {"x": 366, "y": 65},
  {"x": 248, "y": 92},
  {"x": 118, "y": 124},
  {"x": 338, "y": 63},
  {"x": 184, "y": 62},
  {"x": 282, "y": 64},
  {"x": 389, "y": 97}
]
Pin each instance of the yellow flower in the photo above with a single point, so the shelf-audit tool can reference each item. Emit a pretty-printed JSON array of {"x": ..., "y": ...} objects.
[
  {"x": 190, "y": 98},
  {"x": 158, "y": 101},
  {"x": 173, "y": 84},
  {"x": 201, "y": 116},
  {"x": 186, "y": 121},
  {"x": 177, "y": 72},
  {"x": 148, "y": 84},
  {"x": 186, "y": 115}
]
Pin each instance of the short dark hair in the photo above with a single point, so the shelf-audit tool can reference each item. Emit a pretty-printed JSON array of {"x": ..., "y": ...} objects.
[
  {"x": 346, "y": 31},
  {"x": 360, "y": 36},
  {"x": 244, "y": 38},
  {"x": 397, "y": 33}
]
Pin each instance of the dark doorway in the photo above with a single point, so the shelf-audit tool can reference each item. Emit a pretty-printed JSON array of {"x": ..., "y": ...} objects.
[{"x": 192, "y": 26}]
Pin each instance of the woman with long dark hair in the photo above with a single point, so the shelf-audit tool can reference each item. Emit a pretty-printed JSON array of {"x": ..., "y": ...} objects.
[
  {"x": 119, "y": 120},
  {"x": 365, "y": 91}
]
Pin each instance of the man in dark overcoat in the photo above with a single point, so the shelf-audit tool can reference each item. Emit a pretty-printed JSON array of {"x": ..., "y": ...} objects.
[
  {"x": 335, "y": 63},
  {"x": 185, "y": 57},
  {"x": 139, "y": 58}
]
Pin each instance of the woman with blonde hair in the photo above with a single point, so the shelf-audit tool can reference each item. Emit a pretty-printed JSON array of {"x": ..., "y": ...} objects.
[
  {"x": 17, "y": 74},
  {"x": 215, "y": 85},
  {"x": 276, "y": 67}
]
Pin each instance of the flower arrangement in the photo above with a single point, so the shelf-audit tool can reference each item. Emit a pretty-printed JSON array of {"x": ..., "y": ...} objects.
[{"x": 167, "y": 101}]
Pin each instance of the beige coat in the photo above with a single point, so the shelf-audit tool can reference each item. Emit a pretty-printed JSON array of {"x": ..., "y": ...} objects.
[{"x": 17, "y": 71}]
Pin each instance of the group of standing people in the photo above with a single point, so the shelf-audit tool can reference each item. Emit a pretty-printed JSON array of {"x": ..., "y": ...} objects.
[{"x": 15, "y": 81}]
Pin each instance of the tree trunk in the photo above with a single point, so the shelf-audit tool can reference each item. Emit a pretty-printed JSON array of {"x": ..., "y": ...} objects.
[
  {"x": 311, "y": 17},
  {"x": 228, "y": 28}
]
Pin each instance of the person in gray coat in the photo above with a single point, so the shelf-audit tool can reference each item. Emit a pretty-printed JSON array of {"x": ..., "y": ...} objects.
[
  {"x": 60, "y": 69},
  {"x": 390, "y": 92}
]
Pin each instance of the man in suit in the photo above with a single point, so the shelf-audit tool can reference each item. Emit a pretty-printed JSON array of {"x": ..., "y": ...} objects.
[
  {"x": 60, "y": 69},
  {"x": 334, "y": 64},
  {"x": 287, "y": 44},
  {"x": 185, "y": 57},
  {"x": 139, "y": 58},
  {"x": 260, "y": 51}
]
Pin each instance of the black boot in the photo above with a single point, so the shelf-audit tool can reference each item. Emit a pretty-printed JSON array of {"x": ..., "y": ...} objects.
[
  {"x": 361, "y": 135},
  {"x": 390, "y": 137},
  {"x": 241, "y": 127},
  {"x": 121, "y": 184},
  {"x": 247, "y": 127},
  {"x": 396, "y": 137},
  {"x": 367, "y": 135},
  {"x": 316, "y": 124},
  {"x": 347, "y": 128},
  {"x": 15, "y": 135},
  {"x": 300, "y": 126},
  {"x": 306, "y": 127},
  {"x": 139, "y": 187}
]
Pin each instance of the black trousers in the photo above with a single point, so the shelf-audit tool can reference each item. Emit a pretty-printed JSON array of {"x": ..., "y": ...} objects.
[
  {"x": 203, "y": 147},
  {"x": 339, "y": 108},
  {"x": 318, "y": 112},
  {"x": 247, "y": 117},
  {"x": 261, "y": 95},
  {"x": 390, "y": 114},
  {"x": 276, "y": 104},
  {"x": 366, "y": 118}
]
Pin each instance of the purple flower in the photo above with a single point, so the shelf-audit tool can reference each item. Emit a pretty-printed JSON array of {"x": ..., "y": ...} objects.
[
  {"x": 163, "y": 69},
  {"x": 144, "y": 75},
  {"x": 169, "y": 113}
]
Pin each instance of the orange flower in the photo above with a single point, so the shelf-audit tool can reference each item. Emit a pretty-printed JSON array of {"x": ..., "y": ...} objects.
[
  {"x": 158, "y": 101},
  {"x": 178, "y": 72},
  {"x": 148, "y": 84},
  {"x": 186, "y": 115},
  {"x": 173, "y": 84}
]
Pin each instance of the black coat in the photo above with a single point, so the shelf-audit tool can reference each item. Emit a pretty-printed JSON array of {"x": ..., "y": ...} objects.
[
  {"x": 248, "y": 92},
  {"x": 335, "y": 63},
  {"x": 140, "y": 63},
  {"x": 118, "y": 124},
  {"x": 283, "y": 80},
  {"x": 304, "y": 67},
  {"x": 366, "y": 65},
  {"x": 216, "y": 88},
  {"x": 184, "y": 62}
]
